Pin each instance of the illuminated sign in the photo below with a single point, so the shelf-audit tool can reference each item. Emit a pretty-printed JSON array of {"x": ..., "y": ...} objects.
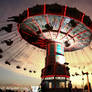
[
  {"x": 49, "y": 78},
  {"x": 60, "y": 49}
]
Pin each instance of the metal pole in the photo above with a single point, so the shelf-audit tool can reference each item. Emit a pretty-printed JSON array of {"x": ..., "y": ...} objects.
[
  {"x": 83, "y": 83},
  {"x": 88, "y": 83}
]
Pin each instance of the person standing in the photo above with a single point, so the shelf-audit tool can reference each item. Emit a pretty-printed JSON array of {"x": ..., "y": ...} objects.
[
  {"x": 70, "y": 86},
  {"x": 43, "y": 86}
]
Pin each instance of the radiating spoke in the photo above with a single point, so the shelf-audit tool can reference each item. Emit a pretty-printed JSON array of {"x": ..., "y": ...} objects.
[{"x": 61, "y": 21}]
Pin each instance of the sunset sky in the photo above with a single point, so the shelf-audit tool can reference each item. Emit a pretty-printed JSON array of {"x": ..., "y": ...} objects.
[{"x": 32, "y": 57}]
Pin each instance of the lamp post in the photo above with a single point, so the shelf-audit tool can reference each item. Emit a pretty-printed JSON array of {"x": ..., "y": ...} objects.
[{"x": 86, "y": 73}]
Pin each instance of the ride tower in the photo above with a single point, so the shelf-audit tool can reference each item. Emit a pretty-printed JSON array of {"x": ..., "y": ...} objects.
[{"x": 57, "y": 29}]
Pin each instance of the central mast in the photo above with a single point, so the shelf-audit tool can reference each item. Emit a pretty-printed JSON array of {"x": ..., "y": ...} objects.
[{"x": 55, "y": 73}]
